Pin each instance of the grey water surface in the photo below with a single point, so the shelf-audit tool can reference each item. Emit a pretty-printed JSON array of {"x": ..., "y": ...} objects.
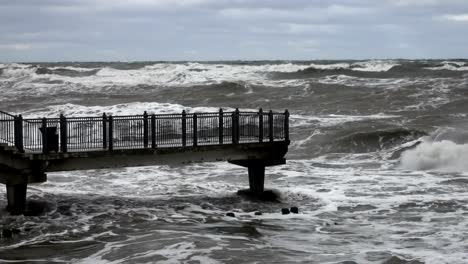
[{"x": 377, "y": 165}]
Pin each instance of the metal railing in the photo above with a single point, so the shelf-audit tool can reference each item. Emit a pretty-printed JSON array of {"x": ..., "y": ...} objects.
[
  {"x": 8, "y": 128},
  {"x": 107, "y": 133}
]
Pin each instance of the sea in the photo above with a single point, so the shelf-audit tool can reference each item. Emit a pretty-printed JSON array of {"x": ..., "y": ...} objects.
[{"x": 377, "y": 165}]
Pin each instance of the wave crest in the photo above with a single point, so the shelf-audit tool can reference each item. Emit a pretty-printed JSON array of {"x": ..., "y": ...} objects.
[
  {"x": 445, "y": 156},
  {"x": 364, "y": 142}
]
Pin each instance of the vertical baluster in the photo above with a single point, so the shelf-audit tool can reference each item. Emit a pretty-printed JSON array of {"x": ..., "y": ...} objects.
[
  {"x": 286, "y": 125},
  {"x": 184, "y": 128},
  {"x": 260, "y": 125},
  {"x": 270, "y": 125},
  {"x": 145, "y": 130},
  {"x": 235, "y": 125},
  {"x": 63, "y": 133},
  {"x": 44, "y": 135},
  {"x": 153, "y": 131},
  {"x": 18, "y": 132},
  {"x": 111, "y": 133},
  {"x": 195, "y": 130}
]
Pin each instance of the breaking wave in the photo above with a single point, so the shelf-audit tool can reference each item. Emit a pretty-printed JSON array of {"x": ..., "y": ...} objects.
[
  {"x": 133, "y": 108},
  {"x": 445, "y": 156},
  {"x": 372, "y": 141}
]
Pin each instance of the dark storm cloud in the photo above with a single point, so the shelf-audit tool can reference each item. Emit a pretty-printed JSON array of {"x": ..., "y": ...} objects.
[{"x": 51, "y": 30}]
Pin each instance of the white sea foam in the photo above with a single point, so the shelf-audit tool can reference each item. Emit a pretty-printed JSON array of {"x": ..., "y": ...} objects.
[
  {"x": 179, "y": 74},
  {"x": 370, "y": 66},
  {"x": 451, "y": 66},
  {"x": 73, "y": 68},
  {"x": 444, "y": 155},
  {"x": 15, "y": 70},
  {"x": 333, "y": 120},
  {"x": 135, "y": 108},
  {"x": 374, "y": 65}
]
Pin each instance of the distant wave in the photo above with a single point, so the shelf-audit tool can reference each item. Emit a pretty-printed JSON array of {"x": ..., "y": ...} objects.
[
  {"x": 450, "y": 66},
  {"x": 371, "y": 141},
  {"x": 67, "y": 71},
  {"x": 375, "y": 70},
  {"x": 32, "y": 78}
]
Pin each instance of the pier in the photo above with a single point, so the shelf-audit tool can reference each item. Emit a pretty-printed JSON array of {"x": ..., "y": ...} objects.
[{"x": 31, "y": 147}]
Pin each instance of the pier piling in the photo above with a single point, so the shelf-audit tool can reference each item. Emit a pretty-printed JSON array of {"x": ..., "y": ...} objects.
[{"x": 16, "y": 196}]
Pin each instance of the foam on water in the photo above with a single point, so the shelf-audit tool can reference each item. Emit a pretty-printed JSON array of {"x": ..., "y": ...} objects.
[
  {"x": 135, "y": 108},
  {"x": 181, "y": 74},
  {"x": 332, "y": 119},
  {"x": 450, "y": 66},
  {"x": 374, "y": 65},
  {"x": 445, "y": 155}
]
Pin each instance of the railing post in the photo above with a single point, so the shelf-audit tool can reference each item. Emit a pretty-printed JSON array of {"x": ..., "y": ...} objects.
[
  {"x": 104, "y": 131},
  {"x": 184, "y": 128},
  {"x": 270, "y": 125},
  {"x": 221, "y": 126},
  {"x": 235, "y": 127},
  {"x": 195, "y": 130},
  {"x": 286, "y": 125},
  {"x": 63, "y": 133},
  {"x": 153, "y": 131},
  {"x": 111, "y": 133},
  {"x": 260, "y": 125},
  {"x": 44, "y": 136},
  {"x": 18, "y": 129},
  {"x": 145, "y": 130}
]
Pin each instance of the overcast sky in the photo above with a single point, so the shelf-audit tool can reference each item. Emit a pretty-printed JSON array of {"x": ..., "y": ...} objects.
[{"x": 130, "y": 30}]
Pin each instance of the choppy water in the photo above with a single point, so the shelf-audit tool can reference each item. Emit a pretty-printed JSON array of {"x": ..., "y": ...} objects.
[{"x": 377, "y": 166}]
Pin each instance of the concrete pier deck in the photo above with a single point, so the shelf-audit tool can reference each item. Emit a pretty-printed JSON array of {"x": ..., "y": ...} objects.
[{"x": 29, "y": 148}]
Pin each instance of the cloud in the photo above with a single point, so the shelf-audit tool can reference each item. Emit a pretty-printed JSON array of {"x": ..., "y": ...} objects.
[
  {"x": 309, "y": 13},
  {"x": 296, "y": 28},
  {"x": 16, "y": 47},
  {"x": 456, "y": 18},
  {"x": 309, "y": 45},
  {"x": 415, "y": 2}
]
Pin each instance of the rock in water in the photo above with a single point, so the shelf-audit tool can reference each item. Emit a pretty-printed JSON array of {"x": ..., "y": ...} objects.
[
  {"x": 258, "y": 213},
  {"x": 285, "y": 211},
  {"x": 6, "y": 233},
  {"x": 294, "y": 210},
  {"x": 231, "y": 215}
]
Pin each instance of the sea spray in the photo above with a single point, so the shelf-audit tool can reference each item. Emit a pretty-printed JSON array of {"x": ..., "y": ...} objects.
[{"x": 444, "y": 155}]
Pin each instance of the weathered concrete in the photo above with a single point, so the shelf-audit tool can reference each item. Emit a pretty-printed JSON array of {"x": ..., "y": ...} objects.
[
  {"x": 256, "y": 178},
  {"x": 269, "y": 154}
]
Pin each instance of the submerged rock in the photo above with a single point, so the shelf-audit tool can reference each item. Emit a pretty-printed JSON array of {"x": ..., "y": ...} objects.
[
  {"x": 294, "y": 210},
  {"x": 6, "y": 233},
  {"x": 285, "y": 211},
  {"x": 231, "y": 214},
  {"x": 267, "y": 196}
]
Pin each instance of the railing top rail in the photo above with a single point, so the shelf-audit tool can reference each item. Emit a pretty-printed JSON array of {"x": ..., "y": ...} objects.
[
  {"x": 141, "y": 115},
  {"x": 7, "y": 114}
]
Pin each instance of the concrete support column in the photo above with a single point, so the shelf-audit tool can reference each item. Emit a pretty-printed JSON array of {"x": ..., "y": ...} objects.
[
  {"x": 256, "y": 179},
  {"x": 16, "y": 196}
]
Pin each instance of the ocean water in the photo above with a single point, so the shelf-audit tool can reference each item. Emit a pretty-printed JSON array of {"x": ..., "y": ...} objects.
[{"x": 378, "y": 165}]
